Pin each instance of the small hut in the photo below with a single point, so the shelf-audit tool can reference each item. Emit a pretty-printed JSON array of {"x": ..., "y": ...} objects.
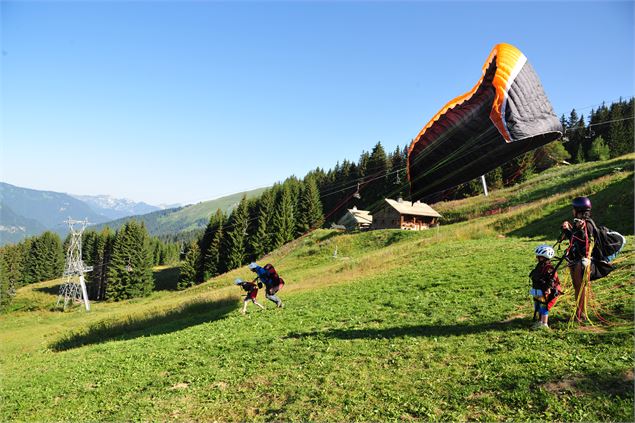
[
  {"x": 399, "y": 214},
  {"x": 355, "y": 219}
]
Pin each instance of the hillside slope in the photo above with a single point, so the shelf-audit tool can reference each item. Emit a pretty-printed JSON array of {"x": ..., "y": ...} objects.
[
  {"x": 400, "y": 325},
  {"x": 195, "y": 216},
  {"x": 35, "y": 209},
  {"x": 14, "y": 228}
]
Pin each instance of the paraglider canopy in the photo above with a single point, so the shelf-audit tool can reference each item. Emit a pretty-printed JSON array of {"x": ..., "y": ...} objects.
[{"x": 505, "y": 114}]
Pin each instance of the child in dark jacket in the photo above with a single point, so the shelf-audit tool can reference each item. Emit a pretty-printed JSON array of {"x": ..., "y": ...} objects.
[
  {"x": 545, "y": 285},
  {"x": 252, "y": 292}
]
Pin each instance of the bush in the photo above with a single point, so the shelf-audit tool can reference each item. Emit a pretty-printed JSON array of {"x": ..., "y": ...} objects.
[{"x": 599, "y": 150}]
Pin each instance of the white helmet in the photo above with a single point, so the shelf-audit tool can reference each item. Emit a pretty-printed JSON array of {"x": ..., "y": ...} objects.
[
  {"x": 252, "y": 265},
  {"x": 238, "y": 281},
  {"x": 545, "y": 251}
]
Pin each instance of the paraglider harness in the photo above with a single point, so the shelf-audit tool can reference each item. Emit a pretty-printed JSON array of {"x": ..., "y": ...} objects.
[
  {"x": 543, "y": 281},
  {"x": 606, "y": 246}
]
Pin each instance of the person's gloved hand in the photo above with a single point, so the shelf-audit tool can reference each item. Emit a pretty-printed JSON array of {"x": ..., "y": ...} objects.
[{"x": 585, "y": 262}]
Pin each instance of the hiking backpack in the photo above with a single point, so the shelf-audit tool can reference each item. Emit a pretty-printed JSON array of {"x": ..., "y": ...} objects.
[{"x": 272, "y": 274}]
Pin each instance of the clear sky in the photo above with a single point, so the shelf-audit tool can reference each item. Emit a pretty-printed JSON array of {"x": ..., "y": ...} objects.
[{"x": 169, "y": 102}]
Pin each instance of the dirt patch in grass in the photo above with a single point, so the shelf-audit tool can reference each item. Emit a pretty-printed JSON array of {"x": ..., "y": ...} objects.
[
  {"x": 623, "y": 386},
  {"x": 515, "y": 317},
  {"x": 181, "y": 385},
  {"x": 568, "y": 384},
  {"x": 592, "y": 329}
]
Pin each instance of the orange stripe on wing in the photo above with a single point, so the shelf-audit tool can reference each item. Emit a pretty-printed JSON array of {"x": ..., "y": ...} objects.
[{"x": 506, "y": 57}]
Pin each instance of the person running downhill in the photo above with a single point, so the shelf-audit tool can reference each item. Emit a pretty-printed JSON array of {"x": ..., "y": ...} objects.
[
  {"x": 545, "y": 285},
  {"x": 580, "y": 235},
  {"x": 252, "y": 293},
  {"x": 269, "y": 277}
]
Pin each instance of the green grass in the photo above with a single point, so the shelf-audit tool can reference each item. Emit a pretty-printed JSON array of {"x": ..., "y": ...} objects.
[
  {"x": 400, "y": 326},
  {"x": 552, "y": 182}
]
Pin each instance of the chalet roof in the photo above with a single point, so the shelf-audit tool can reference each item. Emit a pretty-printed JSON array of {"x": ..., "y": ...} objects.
[
  {"x": 361, "y": 216},
  {"x": 417, "y": 208}
]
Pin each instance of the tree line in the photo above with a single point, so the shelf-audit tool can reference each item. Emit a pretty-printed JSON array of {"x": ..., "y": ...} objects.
[
  {"x": 607, "y": 133},
  {"x": 122, "y": 262},
  {"x": 253, "y": 228}
]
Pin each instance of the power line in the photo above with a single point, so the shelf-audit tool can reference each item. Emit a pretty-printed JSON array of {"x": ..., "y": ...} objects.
[
  {"x": 601, "y": 104},
  {"x": 598, "y": 123}
]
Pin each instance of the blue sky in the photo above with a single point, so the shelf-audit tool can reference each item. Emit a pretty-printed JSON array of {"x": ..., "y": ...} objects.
[{"x": 169, "y": 102}]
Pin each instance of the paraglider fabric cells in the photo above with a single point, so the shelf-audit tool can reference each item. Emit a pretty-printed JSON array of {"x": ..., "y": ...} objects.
[{"x": 507, "y": 113}]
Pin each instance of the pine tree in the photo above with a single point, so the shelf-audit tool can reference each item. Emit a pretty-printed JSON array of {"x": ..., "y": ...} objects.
[
  {"x": 377, "y": 176},
  {"x": 260, "y": 242},
  {"x": 234, "y": 252},
  {"x": 616, "y": 140},
  {"x": 99, "y": 254},
  {"x": 252, "y": 226},
  {"x": 211, "y": 245},
  {"x": 7, "y": 284},
  {"x": 130, "y": 269},
  {"x": 310, "y": 207},
  {"x": 20, "y": 264},
  {"x": 54, "y": 255},
  {"x": 575, "y": 132},
  {"x": 283, "y": 223},
  {"x": 188, "y": 268},
  {"x": 362, "y": 165},
  {"x": 45, "y": 259},
  {"x": 204, "y": 244},
  {"x": 399, "y": 182}
]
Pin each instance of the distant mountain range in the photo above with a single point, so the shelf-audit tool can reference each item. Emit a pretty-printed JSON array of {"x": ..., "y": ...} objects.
[
  {"x": 115, "y": 208},
  {"x": 26, "y": 212},
  {"x": 179, "y": 219}
]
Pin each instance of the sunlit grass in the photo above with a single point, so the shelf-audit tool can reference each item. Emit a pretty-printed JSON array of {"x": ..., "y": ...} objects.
[{"x": 398, "y": 325}]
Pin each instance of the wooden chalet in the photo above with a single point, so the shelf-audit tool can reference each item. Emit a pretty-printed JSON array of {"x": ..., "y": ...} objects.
[
  {"x": 399, "y": 214},
  {"x": 355, "y": 219}
]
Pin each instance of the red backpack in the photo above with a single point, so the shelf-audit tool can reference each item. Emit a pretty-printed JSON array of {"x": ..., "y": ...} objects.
[{"x": 272, "y": 274}]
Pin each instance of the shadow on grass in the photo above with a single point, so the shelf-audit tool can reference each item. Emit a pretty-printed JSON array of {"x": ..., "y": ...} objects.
[
  {"x": 130, "y": 327},
  {"x": 573, "y": 181},
  {"x": 613, "y": 207},
  {"x": 329, "y": 235},
  {"x": 166, "y": 279},
  {"x": 435, "y": 331},
  {"x": 51, "y": 290},
  {"x": 614, "y": 382}
]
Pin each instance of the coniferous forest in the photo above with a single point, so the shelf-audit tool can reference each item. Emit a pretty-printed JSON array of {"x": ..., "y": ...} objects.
[{"x": 122, "y": 260}]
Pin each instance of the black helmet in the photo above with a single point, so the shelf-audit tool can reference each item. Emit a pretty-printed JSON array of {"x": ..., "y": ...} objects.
[{"x": 581, "y": 203}]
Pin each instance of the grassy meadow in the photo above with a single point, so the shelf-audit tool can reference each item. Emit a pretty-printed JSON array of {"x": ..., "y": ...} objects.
[{"x": 431, "y": 325}]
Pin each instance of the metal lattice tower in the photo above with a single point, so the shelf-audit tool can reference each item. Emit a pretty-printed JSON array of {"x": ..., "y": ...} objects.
[{"x": 74, "y": 287}]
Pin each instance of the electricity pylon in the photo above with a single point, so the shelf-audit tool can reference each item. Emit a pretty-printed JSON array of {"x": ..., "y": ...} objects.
[{"x": 74, "y": 287}]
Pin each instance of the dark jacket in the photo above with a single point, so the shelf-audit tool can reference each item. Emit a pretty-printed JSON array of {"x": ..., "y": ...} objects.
[
  {"x": 580, "y": 237},
  {"x": 544, "y": 277}
]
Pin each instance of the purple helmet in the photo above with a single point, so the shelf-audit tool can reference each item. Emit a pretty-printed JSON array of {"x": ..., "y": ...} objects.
[{"x": 581, "y": 203}]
